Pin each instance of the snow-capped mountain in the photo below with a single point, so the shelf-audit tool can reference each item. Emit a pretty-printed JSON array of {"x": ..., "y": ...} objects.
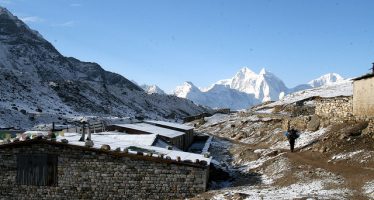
[
  {"x": 247, "y": 88},
  {"x": 40, "y": 85},
  {"x": 326, "y": 79},
  {"x": 265, "y": 86},
  {"x": 152, "y": 89},
  {"x": 218, "y": 96}
]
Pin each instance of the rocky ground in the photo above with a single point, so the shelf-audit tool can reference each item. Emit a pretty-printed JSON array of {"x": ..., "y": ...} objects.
[{"x": 333, "y": 160}]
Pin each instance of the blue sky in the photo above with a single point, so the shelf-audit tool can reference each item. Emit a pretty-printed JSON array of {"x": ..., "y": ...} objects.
[{"x": 167, "y": 42}]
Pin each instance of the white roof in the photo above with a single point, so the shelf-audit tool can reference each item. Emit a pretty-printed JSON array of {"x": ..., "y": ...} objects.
[
  {"x": 113, "y": 139},
  {"x": 171, "y": 124},
  {"x": 122, "y": 141},
  {"x": 36, "y": 132},
  {"x": 148, "y": 128}
]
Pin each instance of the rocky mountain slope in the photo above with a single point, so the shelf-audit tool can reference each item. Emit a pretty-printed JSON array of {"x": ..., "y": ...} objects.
[
  {"x": 247, "y": 88},
  {"x": 334, "y": 155},
  {"x": 38, "y": 84}
]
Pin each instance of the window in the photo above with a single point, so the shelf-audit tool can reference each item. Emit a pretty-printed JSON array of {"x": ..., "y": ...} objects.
[{"x": 37, "y": 169}]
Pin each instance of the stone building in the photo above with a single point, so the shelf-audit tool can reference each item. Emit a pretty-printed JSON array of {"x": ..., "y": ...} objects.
[
  {"x": 44, "y": 169},
  {"x": 363, "y": 96}
]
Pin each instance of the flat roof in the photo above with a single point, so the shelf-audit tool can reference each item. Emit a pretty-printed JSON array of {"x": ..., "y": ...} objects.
[
  {"x": 170, "y": 124},
  {"x": 364, "y": 77},
  {"x": 112, "y": 138},
  {"x": 148, "y": 128}
]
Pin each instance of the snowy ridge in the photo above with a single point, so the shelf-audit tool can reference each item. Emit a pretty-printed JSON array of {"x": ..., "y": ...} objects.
[{"x": 248, "y": 88}]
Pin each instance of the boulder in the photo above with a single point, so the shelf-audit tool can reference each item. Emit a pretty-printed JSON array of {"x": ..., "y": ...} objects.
[
  {"x": 65, "y": 141},
  {"x": 300, "y": 123},
  {"x": 314, "y": 123},
  {"x": 89, "y": 143},
  {"x": 105, "y": 147}
]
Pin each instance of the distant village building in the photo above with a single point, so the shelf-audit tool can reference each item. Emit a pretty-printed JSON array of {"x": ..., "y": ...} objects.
[{"x": 363, "y": 95}]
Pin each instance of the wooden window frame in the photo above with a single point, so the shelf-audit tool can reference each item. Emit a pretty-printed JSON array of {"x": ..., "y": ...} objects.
[{"x": 37, "y": 169}]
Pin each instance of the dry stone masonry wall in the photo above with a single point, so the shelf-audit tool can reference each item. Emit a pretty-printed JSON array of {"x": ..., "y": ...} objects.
[
  {"x": 87, "y": 174},
  {"x": 335, "y": 109}
]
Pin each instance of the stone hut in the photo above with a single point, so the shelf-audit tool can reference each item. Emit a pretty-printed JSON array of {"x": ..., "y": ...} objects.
[
  {"x": 363, "y": 96},
  {"x": 44, "y": 169}
]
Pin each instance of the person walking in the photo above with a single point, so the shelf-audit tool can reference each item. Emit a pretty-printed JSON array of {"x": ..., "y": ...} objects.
[{"x": 292, "y": 135}]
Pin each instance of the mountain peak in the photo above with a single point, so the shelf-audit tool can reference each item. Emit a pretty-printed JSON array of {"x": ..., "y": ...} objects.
[
  {"x": 245, "y": 71},
  {"x": 263, "y": 71},
  {"x": 326, "y": 79},
  {"x": 152, "y": 89}
]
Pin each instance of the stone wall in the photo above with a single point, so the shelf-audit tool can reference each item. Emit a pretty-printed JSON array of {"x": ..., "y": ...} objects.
[
  {"x": 86, "y": 173},
  {"x": 363, "y": 97},
  {"x": 335, "y": 109}
]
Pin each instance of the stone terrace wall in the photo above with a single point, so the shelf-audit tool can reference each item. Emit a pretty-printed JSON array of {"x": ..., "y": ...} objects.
[
  {"x": 335, "y": 109},
  {"x": 88, "y": 174}
]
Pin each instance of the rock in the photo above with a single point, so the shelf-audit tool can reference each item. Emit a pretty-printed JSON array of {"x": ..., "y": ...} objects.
[
  {"x": 117, "y": 149},
  {"x": 314, "y": 123},
  {"x": 89, "y": 143},
  {"x": 240, "y": 196},
  {"x": 323, "y": 150},
  {"x": 342, "y": 136},
  {"x": 300, "y": 123},
  {"x": 65, "y": 141},
  {"x": 272, "y": 154},
  {"x": 105, "y": 147}
]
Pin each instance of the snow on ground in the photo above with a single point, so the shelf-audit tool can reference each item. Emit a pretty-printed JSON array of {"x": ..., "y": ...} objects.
[
  {"x": 216, "y": 119},
  {"x": 275, "y": 170},
  {"x": 265, "y": 111},
  {"x": 346, "y": 156},
  {"x": 245, "y": 167},
  {"x": 311, "y": 189},
  {"x": 207, "y": 145},
  {"x": 369, "y": 189}
]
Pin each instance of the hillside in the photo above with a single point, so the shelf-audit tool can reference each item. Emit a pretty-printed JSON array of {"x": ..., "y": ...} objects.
[
  {"x": 334, "y": 155},
  {"x": 39, "y": 85}
]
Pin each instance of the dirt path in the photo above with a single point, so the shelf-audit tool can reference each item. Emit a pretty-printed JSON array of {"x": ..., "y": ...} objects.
[{"x": 354, "y": 175}]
